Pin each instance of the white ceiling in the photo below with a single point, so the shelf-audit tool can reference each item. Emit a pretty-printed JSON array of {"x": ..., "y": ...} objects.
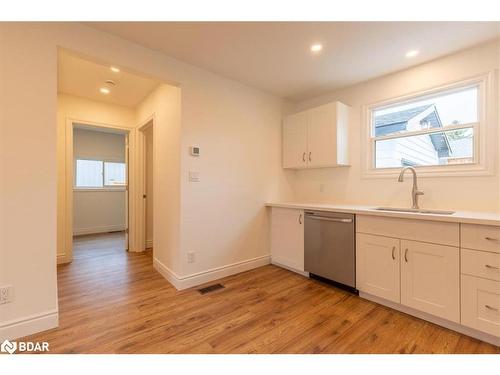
[
  {"x": 84, "y": 78},
  {"x": 275, "y": 56}
]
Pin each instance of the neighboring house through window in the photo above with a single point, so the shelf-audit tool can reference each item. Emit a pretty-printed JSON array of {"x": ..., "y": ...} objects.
[{"x": 436, "y": 129}]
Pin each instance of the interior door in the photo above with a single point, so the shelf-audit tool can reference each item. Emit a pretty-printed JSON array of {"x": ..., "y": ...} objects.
[
  {"x": 430, "y": 278},
  {"x": 126, "y": 193},
  {"x": 295, "y": 141},
  {"x": 321, "y": 136},
  {"x": 377, "y": 266}
]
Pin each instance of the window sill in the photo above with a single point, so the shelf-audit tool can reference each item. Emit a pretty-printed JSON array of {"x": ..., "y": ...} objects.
[
  {"x": 475, "y": 170},
  {"x": 99, "y": 189}
]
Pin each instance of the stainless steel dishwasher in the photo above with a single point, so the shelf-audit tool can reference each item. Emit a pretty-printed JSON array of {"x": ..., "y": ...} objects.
[{"x": 329, "y": 243}]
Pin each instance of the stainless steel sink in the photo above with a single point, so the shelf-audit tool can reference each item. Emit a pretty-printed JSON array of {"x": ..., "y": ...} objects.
[{"x": 415, "y": 210}]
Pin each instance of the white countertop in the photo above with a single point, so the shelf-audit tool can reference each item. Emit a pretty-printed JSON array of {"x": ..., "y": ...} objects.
[{"x": 469, "y": 217}]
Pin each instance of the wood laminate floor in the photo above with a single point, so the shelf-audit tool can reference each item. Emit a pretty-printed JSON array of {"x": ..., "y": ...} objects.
[{"x": 111, "y": 301}]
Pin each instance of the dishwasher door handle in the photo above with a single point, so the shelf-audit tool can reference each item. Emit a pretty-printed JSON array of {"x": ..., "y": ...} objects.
[{"x": 325, "y": 218}]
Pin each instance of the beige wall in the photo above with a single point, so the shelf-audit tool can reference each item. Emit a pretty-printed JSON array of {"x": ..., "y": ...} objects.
[
  {"x": 164, "y": 104},
  {"x": 347, "y": 186},
  {"x": 237, "y": 127}
]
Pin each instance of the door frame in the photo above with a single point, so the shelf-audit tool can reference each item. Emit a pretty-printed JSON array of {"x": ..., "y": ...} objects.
[
  {"x": 141, "y": 180},
  {"x": 67, "y": 245}
]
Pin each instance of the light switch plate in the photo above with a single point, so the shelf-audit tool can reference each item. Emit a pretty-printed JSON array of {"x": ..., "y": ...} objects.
[
  {"x": 6, "y": 294},
  {"x": 194, "y": 176}
]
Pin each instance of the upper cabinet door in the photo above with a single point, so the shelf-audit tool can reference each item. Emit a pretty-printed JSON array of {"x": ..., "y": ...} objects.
[
  {"x": 322, "y": 136},
  {"x": 430, "y": 278},
  {"x": 295, "y": 141},
  {"x": 317, "y": 137},
  {"x": 377, "y": 266}
]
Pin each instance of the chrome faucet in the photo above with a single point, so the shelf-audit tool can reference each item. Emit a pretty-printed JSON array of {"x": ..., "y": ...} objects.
[{"x": 414, "y": 192}]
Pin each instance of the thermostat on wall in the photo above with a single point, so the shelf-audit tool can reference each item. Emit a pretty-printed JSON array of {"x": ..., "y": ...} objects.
[{"x": 194, "y": 150}]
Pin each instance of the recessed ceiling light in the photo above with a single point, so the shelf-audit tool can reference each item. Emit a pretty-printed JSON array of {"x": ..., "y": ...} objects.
[
  {"x": 104, "y": 90},
  {"x": 412, "y": 53},
  {"x": 114, "y": 69},
  {"x": 316, "y": 47}
]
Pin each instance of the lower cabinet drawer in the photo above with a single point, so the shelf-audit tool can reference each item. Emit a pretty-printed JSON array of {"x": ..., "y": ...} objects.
[
  {"x": 481, "y": 263},
  {"x": 481, "y": 304}
]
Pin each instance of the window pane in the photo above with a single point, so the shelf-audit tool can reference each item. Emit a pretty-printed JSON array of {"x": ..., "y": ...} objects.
[
  {"x": 114, "y": 174},
  {"x": 88, "y": 173},
  {"x": 445, "y": 148},
  {"x": 448, "y": 108}
]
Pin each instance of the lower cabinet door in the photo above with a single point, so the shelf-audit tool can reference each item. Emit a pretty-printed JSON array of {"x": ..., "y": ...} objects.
[
  {"x": 430, "y": 278},
  {"x": 481, "y": 304},
  {"x": 377, "y": 266},
  {"x": 287, "y": 238}
]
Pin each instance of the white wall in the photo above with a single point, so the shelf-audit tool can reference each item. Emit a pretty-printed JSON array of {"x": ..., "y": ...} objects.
[
  {"x": 347, "y": 186},
  {"x": 237, "y": 127},
  {"x": 103, "y": 210}
]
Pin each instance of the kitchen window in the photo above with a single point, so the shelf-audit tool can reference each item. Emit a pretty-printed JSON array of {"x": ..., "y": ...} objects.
[
  {"x": 435, "y": 131},
  {"x": 99, "y": 174}
]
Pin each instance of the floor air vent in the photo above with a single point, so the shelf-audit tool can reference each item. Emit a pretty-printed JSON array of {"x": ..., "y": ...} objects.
[{"x": 211, "y": 288}]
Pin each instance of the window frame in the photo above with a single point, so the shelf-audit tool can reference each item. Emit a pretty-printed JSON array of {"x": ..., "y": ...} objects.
[
  {"x": 104, "y": 187},
  {"x": 483, "y": 151}
]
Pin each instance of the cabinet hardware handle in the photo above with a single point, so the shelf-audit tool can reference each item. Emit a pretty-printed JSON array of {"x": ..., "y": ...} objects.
[
  {"x": 491, "y": 267},
  {"x": 490, "y": 307},
  {"x": 393, "y": 255},
  {"x": 304, "y": 157},
  {"x": 300, "y": 219},
  {"x": 491, "y": 239},
  {"x": 406, "y": 255},
  {"x": 310, "y": 156}
]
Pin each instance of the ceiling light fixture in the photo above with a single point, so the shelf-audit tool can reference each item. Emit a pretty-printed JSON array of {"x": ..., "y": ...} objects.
[
  {"x": 316, "y": 48},
  {"x": 104, "y": 90},
  {"x": 412, "y": 53},
  {"x": 114, "y": 69}
]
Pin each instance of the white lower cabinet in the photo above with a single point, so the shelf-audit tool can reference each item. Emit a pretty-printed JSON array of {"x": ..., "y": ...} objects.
[
  {"x": 419, "y": 275},
  {"x": 481, "y": 304},
  {"x": 287, "y": 238},
  {"x": 377, "y": 266},
  {"x": 430, "y": 278}
]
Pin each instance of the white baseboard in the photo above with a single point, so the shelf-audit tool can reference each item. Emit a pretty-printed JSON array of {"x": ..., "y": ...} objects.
[
  {"x": 434, "y": 319},
  {"x": 189, "y": 281},
  {"x": 101, "y": 229},
  {"x": 277, "y": 262},
  {"x": 29, "y": 325},
  {"x": 149, "y": 244}
]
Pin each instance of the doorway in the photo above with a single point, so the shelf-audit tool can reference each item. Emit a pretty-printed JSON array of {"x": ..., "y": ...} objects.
[
  {"x": 148, "y": 176},
  {"x": 100, "y": 189}
]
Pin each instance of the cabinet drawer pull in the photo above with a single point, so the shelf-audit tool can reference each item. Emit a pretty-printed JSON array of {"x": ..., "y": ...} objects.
[
  {"x": 491, "y": 267},
  {"x": 491, "y": 239},
  {"x": 490, "y": 307},
  {"x": 304, "y": 157},
  {"x": 310, "y": 156},
  {"x": 393, "y": 255},
  {"x": 300, "y": 219},
  {"x": 406, "y": 255}
]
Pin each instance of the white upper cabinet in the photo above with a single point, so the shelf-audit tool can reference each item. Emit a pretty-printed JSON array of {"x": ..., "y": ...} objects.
[
  {"x": 295, "y": 141},
  {"x": 317, "y": 137}
]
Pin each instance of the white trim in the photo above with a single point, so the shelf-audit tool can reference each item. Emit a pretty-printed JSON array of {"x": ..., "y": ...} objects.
[
  {"x": 29, "y": 325},
  {"x": 101, "y": 229},
  {"x": 484, "y": 132},
  {"x": 189, "y": 281},
  {"x": 62, "y": 259},
  {"x": 433, "y": 319},
  {"x": 106, "y": 189},
  {"x": 276, "y": 261}
]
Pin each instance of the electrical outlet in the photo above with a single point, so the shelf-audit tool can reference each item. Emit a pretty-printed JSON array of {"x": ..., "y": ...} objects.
[
  {"x": 190, "y": 257},
  {"x": 6, "y": 294}
]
